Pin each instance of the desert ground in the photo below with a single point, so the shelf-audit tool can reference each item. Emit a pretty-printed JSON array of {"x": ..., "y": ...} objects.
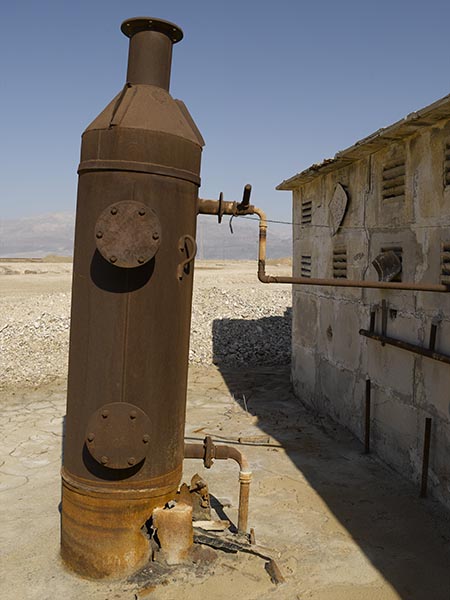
[{"x": 340, "y": 524}]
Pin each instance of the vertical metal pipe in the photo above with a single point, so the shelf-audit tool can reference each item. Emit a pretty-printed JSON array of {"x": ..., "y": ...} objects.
[
  {"x": 244, "y": 493},
  {"x": 367, "y": 418},
  {"x": 426, "y": 457},
  {"x": 150, "y": 51}
]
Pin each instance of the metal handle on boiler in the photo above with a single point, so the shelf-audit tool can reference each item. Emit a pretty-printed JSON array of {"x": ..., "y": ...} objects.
[{"x": 188, "y": 246}]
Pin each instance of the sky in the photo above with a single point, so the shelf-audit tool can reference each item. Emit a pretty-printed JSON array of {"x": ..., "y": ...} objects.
[{"x": 273, "y": 86}]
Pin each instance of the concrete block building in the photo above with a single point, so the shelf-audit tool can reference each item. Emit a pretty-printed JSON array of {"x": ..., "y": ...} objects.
[{"x": 389, "y": 191}]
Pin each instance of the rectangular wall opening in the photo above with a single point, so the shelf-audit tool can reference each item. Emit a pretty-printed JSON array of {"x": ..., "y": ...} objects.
[
  {"x": 340, "y": 262},
  {"x": 306, "y": 212},
  {"x": 445, "y": 263},
  {"x": 393, "y": 181},
  {"x": 305, "y": 265},
  {"x": 447, "y": 165}
]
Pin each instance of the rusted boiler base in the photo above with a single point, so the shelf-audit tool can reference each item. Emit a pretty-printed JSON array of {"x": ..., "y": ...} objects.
[{"x": 101, "y": 531}]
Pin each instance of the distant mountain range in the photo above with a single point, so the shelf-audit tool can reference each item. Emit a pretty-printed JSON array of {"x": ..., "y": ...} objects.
[{"x": 38, "y": 236}]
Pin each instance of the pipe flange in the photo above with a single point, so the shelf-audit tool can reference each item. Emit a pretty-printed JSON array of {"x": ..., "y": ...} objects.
[{"x": 132, "y": 26}]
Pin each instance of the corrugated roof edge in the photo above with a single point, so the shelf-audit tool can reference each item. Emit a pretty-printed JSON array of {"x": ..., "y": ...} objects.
[{"x": 401, "y": 129}]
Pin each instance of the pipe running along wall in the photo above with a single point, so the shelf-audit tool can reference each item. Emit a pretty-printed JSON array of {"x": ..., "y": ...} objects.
[{"x": 214, "y": 207}]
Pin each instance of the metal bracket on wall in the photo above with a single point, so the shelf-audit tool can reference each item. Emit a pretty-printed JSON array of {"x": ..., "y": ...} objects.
[{"x": 384, "y": 339}]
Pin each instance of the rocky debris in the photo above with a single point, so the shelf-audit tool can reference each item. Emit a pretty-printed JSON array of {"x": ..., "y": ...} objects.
[
  {"x": 230, "y": 327},
  {"x": 241, "y": 326},
  {"x": 34, "y": 339}
]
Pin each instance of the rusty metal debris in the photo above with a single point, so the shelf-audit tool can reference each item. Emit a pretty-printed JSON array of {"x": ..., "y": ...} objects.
[
  {"x": 201, "y": 502},
  {"x": 225, "y": 543},
  {"x": 273, "y": 569}
]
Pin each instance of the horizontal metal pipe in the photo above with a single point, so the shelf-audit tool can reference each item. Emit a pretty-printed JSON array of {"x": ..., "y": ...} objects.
[
  {"x": 406, "y": 346},
  {"x": 211, "y": 207},
  {"x": 216, "y": 207},
  {"x": 194, "y": 451},
  {"x": 332, "y": 282},
  {"x": 220, "y": 452},
  {"x": 353, "y": 283}
]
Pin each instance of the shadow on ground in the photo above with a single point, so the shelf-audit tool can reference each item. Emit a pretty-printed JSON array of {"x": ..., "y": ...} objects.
[{"x": 406, "y": 539}]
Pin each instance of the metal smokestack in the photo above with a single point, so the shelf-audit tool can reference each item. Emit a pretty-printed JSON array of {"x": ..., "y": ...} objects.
[
  {"x": 131, "y": 309},
  {"x": 150, "y": 51}
]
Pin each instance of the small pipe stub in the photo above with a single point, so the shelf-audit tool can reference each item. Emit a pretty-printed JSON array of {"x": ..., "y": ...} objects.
[{"x": 132, "y": 26}]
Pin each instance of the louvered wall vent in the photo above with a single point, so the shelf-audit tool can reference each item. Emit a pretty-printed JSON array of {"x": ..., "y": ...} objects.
[
  {"x": 305, "y": 265},
  {"x": 340, "y": 263},
  {"x": 393, "y": 184},
  {"x": 445, "y": 263},
  {"x": 306, "y": 212},
  {"x": 399, "y": 252},
  {"x": 447, "y": 165}
]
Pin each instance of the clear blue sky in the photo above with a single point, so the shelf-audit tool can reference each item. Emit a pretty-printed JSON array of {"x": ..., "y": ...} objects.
[{"x": 273, "y": 86}]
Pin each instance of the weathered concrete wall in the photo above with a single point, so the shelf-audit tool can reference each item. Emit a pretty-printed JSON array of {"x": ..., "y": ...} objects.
[{"x": 331, "y": 361}]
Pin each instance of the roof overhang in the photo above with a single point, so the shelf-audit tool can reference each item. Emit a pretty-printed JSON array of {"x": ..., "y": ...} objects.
[{"x": 393, "y": 133}]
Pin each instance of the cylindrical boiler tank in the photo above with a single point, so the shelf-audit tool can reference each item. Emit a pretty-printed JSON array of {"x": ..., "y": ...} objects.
[{"x": 131, "y": 311}]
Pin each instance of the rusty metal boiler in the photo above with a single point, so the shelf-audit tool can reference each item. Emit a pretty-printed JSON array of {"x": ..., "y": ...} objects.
[{"x": 131, "y": 310}]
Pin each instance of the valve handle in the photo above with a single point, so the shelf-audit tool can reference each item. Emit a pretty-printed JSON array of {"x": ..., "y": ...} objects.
[
  {"x": 245, "y": 198},
  {"x": 220, "y": 208}
]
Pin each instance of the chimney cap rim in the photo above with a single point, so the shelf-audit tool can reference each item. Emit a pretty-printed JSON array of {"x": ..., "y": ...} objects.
[{"x": 132, "y": 26}]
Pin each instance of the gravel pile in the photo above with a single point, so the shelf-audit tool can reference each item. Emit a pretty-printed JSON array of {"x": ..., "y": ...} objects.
[
  {"x": 229, "y": 327},
  {"x": 34, "y": 339},
  {"x": 241, "y": 326}
]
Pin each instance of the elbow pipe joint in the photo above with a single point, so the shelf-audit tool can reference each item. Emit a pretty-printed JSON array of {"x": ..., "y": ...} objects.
[{"x": 207, "y": 452}]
